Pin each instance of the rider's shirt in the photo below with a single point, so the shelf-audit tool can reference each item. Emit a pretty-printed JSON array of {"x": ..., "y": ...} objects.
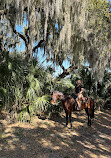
[{"x": 78, "y": 88}]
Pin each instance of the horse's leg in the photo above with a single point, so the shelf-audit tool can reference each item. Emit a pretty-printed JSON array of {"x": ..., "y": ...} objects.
[
  {"x": 91, "y": 111},
  {"x": 92, "y": 108},
  {"x": 70, "y": 119},
  {"x": 66, "y": 118},
  {"x": 89, "y": 118}
]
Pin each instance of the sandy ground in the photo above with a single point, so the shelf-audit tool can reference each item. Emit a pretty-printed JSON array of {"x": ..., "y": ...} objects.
[{"x": 51, "y": 139}]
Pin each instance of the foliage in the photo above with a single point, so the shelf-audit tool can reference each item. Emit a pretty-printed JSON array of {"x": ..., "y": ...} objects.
[
  {"x": 65, "y": 85},
  {"x": 22, "y": 86},
  {"x": 26, "y": 87}
]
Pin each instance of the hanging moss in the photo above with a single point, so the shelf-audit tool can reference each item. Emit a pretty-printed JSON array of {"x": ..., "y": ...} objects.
[{"x": 79, "y": 29}]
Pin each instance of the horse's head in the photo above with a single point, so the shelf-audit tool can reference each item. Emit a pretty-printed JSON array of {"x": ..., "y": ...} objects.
[{"x": 56, "y": 96}]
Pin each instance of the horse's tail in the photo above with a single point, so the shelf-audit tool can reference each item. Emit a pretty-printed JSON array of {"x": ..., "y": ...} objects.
[{"x": 92, "y": 104}]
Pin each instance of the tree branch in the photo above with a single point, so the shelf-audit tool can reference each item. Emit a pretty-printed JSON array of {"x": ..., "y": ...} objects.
[
  {"x": 26, "y": 33},
  {"x": 38, "y": 45},
  {"x": 17, "y": 33},
  {"x": 24, "y": 39},
  {"x": 67, "y": 71},
  {"x": 63, "y": 68}
]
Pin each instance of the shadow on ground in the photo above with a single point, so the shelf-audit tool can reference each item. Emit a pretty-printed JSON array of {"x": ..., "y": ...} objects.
[{"x": 51, "y": 139}]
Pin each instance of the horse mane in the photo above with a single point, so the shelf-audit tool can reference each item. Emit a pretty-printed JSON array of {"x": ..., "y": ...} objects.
[{"x": 59, "y": 93}]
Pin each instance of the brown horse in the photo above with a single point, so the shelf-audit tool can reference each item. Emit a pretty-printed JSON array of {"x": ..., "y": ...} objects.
[{"x": 70, "y": 105}]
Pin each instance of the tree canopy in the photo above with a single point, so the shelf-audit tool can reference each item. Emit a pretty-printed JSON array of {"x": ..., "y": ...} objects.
[{"x": 76, "y": 30}]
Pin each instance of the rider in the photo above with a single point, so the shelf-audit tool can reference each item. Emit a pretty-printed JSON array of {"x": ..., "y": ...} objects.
[{"x": 79, "y": 93}]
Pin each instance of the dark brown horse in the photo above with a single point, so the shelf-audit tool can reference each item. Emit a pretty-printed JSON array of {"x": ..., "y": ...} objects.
[{"x": 70, "y": 105}]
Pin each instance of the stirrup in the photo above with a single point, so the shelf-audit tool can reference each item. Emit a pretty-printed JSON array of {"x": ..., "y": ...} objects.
[{"x": 78, "y": 108}]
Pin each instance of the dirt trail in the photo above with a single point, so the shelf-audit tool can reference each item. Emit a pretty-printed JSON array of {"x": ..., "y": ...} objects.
[{"x": 51, "y": 139}]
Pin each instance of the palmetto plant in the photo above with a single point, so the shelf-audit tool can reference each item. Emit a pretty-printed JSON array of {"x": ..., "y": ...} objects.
[
  {"x": 65, "y": 85},
  {"x": 24, "y": 86},
  {"x": 40, "y": 104},
  {"x": 35, "y": 88}
]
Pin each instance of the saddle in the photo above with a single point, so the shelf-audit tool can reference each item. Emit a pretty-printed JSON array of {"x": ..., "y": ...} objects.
[{"x": 83, "y": 101}]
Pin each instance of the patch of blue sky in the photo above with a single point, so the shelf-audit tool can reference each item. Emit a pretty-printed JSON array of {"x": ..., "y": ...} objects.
[
  {"x": 19, "y": 28},
  {"x": 66, "y": 64},
  {"x": 42, "y": 60},
  {"x": 20, "y": 47},
  {"x": 109, "y": 1},
  {"x": 59, "y": 70},
  {"x": 56, "y": 26}
]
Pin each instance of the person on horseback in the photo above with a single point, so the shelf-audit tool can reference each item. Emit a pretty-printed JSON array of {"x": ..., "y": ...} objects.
[
  {"x": 79, "y": 93},
  {"x": 78, "y": 86}
]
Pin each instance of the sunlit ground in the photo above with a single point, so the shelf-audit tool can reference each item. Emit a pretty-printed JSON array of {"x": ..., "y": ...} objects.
[{"x": 51, "y": 139}]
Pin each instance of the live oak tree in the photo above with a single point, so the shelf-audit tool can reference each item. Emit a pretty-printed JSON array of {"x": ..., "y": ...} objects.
[{"x": 76, "y": 30}]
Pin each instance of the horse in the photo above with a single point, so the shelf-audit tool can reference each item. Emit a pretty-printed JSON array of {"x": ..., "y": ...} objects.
[{"x": 70, "y": 105}]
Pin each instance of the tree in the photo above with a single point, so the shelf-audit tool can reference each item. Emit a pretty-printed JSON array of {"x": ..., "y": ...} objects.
[{"x": 78, "y": 31}]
